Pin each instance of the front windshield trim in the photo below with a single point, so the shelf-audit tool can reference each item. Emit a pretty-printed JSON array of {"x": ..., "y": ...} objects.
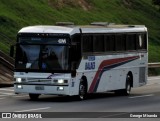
[
  {"x": 44, "y": 44},
  {"x": 44, "y": 39}
]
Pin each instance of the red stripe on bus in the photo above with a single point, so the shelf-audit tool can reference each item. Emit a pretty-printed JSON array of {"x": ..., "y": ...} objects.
[{"x": 106, "y": 63}]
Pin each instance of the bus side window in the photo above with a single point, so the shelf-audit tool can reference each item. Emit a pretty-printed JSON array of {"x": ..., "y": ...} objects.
[
  {"x": 131, "y": 42},
  {"x": 109, "y": 42},
  {"x": 98, "y": 43},
  {"x": 120, "y": 42},
  {"x": 87, "y": 43}
]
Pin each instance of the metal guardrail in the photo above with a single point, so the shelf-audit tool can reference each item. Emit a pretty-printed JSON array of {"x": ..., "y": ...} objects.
[
  {"x": 154, "y": 65},
  {"x": 6, "y": 61},
  {"x": 6, "y": 69}
]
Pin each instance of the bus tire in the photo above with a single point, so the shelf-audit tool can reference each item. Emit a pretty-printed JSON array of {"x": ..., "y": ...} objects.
[
  {"x": 82, "y": 90},
  {"x": 127, "y": 90},
  {"x": 128, "y": 86},
  {"x": 34, "y": 96}
]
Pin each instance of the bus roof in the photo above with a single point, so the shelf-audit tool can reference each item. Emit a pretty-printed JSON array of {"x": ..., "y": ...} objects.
[{"x": 85, "y": 29}]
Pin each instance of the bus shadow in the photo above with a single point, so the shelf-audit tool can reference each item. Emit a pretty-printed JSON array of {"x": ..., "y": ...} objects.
[{"x": 96, "y": 96}]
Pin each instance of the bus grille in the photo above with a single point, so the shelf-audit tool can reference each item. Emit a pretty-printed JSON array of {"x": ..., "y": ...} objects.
[{"x": 142, "y": 73}]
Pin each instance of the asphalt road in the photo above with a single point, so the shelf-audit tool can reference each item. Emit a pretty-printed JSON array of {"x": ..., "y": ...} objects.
[{"x": 142, "y": 100}]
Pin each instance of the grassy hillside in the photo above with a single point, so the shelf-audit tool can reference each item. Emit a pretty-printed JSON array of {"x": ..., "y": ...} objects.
[{"x": 15, "y": 14}]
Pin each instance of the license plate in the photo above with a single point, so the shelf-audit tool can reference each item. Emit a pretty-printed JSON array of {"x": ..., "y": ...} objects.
[{"x": 39, "y": 87}]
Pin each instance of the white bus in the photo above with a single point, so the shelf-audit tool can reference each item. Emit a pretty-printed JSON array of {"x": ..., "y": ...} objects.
[{"x": 79, "y": 60}]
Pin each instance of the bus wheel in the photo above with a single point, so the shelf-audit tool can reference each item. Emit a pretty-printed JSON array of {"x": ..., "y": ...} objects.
[
  {"x": 34, "y": 96},
  {"x": 82, "y": 90},
  {"x": 127, "y": 90}
]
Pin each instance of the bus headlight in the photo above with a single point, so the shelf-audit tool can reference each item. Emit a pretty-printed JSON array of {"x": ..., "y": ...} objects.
[
  {"x": 19, "y": 80},
  {"x": 60, "y": 88},
  {"x": 60, "y": 81},
  {"x": 19, "y": 87}
]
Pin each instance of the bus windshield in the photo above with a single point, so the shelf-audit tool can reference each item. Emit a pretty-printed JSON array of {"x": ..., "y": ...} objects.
[{"x": 41, "y": 54}]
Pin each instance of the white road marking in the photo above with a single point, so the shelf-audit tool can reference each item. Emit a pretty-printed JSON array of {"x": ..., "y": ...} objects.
[
  {"x": 153, "y": 84},
  {"x": 20, "y": 96},
  {"x": 4, "y": 95},
  {"x": 153, "y": 78},
  {"x": 150, "y": 95},
  {"x": 2, "y": 98},
  {"x": 45, "y": 108},
  {"x": 10, "y": 90},
  {"x": 153, "y": 81},
  {"x": 10, "y": 87}
]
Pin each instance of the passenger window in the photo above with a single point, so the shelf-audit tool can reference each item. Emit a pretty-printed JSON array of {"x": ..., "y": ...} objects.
[
  {"x": 131, "y": 42},
  {"x": 87, "y": 43},
  {"x": 120, "y": 42},
  {"x": 98, "y": 43},
  {"x": 109, "y": 41}
]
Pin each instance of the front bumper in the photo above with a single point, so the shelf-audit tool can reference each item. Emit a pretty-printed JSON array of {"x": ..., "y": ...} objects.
[{"x": 41, "y": 89}]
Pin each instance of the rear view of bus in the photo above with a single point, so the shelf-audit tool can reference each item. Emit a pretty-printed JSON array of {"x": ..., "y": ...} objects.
[{"x": 77, "y": 60}]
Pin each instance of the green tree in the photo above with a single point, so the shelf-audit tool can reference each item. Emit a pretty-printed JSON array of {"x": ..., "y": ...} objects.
[{"x": 156, "y": 2}]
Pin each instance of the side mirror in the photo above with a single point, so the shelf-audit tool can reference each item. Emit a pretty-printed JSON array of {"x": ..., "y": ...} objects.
[{"x": 12, "y": 51}]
